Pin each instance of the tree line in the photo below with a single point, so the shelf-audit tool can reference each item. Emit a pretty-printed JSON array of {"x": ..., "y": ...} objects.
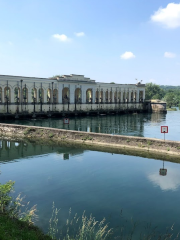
[{"x": 169, "y": 94}]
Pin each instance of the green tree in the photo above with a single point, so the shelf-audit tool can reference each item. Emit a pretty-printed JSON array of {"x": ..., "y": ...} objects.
[
  {"x": 172, "y": 98},
  {"x": 153, "y": 91}
]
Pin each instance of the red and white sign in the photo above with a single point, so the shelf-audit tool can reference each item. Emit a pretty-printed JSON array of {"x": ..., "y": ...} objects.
[
  {"x": 164, "y": 129},
  {"x": 66, "y": 120}
]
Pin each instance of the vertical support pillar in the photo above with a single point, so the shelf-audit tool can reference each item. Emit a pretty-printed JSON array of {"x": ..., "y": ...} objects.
[
  {"x": 59, "y": 93},
  {"x": 83, "y": 94},
  {"x": 12, "y": 95},
  {"x": 112, "y": 100},
  {"x": 129, "y": 100},
  {"x": 93, "y": 95},
  {"x": 2, "y": 95},
  {"x": 122, "y": 91},
  {"x": 45, "y": 96},
  {"x": 137, "y": 96},
  {"x": 29, "y": 98},
  {"x": 21, "y": 96},
  {"x": 52, "y": 101},
  {"x": 71, "y": 93},
  {"x": 99, "y": 94},
  {"x": 143, "y": 95},
  {"x": 104, "y": 96}
]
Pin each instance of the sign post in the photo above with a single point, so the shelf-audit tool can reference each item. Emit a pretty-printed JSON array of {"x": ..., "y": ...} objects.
[{"x": 164, "y": 129}]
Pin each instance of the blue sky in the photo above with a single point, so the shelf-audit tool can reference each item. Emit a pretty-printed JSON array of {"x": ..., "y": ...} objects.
[{"x": 106, "y": 40}]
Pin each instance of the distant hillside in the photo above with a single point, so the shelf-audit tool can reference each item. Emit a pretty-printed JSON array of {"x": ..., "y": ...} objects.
[{"x": 168, "y": 87}]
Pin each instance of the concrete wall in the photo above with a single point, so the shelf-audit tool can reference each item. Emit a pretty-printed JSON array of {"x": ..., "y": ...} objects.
[
  {"x": 52, "y": 136},
  {"x": 14, "y": 108}
]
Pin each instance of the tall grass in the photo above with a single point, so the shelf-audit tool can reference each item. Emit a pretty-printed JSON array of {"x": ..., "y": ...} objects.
[
  {"x": 16, "y": 208},
  {"x": 87, "y": 228},
  {"x": 78, "y": 228}
]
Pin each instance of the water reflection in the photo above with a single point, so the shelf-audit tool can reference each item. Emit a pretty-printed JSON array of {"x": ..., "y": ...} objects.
[
  {"x": 99, "y": 182},
  {"x": 126, "y": 124},
  {"x": 11, "y": 150},
  {"x": 163, "y": 171},
  {"x": 171, "y": 181}
]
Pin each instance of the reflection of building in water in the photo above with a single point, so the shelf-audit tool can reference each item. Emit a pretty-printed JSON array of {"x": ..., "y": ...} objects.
[
  {"x": 125, "y": 124},
  {"x": 10, "y": 150},
  {"x": 157, "y": 117}
]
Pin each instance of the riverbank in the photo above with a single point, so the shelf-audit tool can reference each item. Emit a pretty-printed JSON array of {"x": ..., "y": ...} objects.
[
  {"x": 140, "y": 146},
  {"x": 11, "y": 228}
]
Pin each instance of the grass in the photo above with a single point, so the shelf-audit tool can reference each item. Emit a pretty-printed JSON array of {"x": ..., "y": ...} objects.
[
  {"x": 14, "y": 229},
  {"x": 78, "y": 228},
  {"x": 14, "y": 222},
  {"x": 88, "y": 228},
  {"x": 87, "y": 137},
  {"x": 28, "y": 131},
  {"x": 51, "y": 135},
  {"x": 171, "y": 109},
  {"x": 63, "y": 137},
  {"x": 149, "y": 142}
]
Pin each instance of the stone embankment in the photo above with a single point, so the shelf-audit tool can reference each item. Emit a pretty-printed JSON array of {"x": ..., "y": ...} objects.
[{"x": 141, "y": 146}]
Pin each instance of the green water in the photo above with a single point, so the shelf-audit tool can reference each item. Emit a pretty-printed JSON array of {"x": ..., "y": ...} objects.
[{"x": 100, "y": 183}]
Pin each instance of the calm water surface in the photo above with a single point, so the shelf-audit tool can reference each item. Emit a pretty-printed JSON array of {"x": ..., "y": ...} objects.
[
  {"x": 143, "y": 125},
  {"x": 100, "y": 183}
]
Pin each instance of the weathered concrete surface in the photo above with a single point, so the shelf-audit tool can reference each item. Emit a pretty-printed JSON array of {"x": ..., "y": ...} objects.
[{"x": 93, "y": 140}]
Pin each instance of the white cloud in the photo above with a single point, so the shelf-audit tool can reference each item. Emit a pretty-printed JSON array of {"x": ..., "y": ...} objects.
[
  {"x": 127, "y": 55},
  {"x": 62, "y": 37},
  {"x": 169, "y": 55},
  {"x": 80, "y": 34},
  {"x": 169, "y": 16},
  {"x": 169, "y": 182}
]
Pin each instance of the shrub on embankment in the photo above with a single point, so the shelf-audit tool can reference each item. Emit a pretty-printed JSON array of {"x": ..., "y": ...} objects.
[
  {"x": 12, "y": 229},
  {"x": 15, "y": 224}
]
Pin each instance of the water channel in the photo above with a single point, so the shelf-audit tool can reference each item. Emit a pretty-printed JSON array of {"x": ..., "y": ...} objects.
[
  {"x": 100, "y": 183},
  {"x": 143, "y": 124}
]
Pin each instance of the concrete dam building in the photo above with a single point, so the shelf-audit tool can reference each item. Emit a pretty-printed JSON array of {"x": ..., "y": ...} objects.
[{"x": 67, "y": 94}]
